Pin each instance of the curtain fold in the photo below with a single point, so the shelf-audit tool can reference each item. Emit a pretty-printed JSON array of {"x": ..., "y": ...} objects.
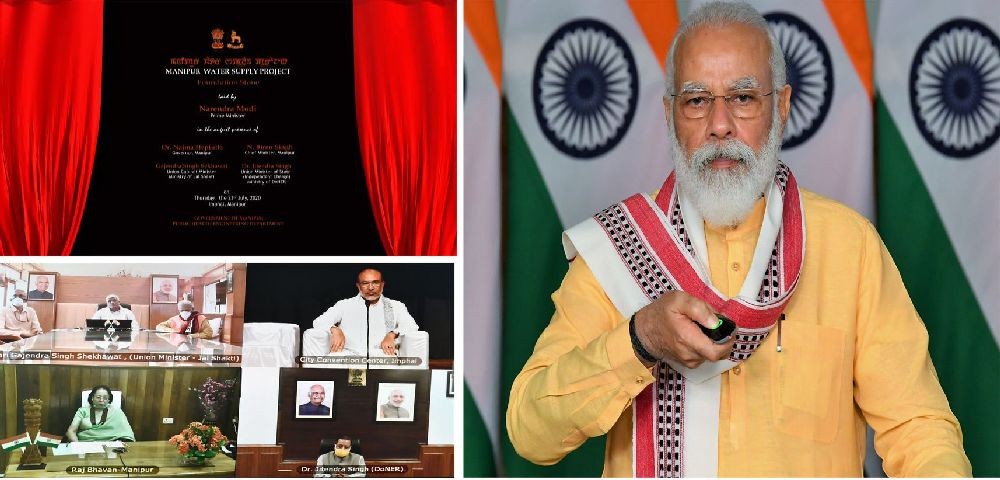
[
  {"x": 405, "y": 81},
  {"x": 50, "y": 96}
]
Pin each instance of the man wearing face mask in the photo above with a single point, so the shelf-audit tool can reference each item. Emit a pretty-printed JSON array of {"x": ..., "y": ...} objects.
[
  {"x": 387, "y": 319},
  {"x": 114, "y": 312},
  {"x": 19, "y": 319},
  {"x": 188, "y": 321},
  {"x": 340, "y": 462}
]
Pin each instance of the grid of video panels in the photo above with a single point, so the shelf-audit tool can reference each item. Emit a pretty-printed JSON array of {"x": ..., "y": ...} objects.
[
  {"x": 227, "y": 369},
  {"x": 172, "y": 142}
]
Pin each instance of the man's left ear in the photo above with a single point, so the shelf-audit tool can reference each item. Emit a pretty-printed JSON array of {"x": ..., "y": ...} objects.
[{"x": 784, "y": 102}]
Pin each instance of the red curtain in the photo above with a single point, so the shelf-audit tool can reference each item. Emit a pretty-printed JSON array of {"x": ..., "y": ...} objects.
[
  {"x": 50, "y": 98},
  {"x": 405, "y": 80}
]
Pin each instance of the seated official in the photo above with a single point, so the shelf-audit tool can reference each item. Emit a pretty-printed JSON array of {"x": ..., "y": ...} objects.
[
  {"x": 387, "y": 319},
  {"x": 100, "y": 421},
  {"x": 315, "y": 405},
  {"x": 19, "y": 319},
  {"x": 187, "y": 318},
  {"x": 352, "y": 464},
  {"x": 114, "y": 312}
]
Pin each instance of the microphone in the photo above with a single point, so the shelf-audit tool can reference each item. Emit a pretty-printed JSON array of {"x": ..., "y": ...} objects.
[{"x": 368, "y": 338}]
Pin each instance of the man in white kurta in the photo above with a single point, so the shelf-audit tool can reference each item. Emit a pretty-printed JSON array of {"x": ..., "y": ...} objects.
[
  {"x": 114, "y": 312},
  {"x": 387, "y": 320}
]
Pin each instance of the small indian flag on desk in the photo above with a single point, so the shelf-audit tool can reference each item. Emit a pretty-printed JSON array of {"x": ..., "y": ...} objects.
[
  {"x": 16, "y": 441},
  {"x": 48, "y": 440},
  {"x": 21, "y": 441}
]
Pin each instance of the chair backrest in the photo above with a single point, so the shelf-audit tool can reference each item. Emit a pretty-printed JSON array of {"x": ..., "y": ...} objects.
[
  {"x": 216, "y": 324},
  {"x": 271, "y": 344},
  {"x": 126, "y": 306},
  {"x": 326, "y": 445},
  {"x": 117, "y": 401}
]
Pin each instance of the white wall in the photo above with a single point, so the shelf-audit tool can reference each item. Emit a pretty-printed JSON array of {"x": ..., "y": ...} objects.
[
  {"x": 441, "y": 424},
  {"x": 133, "y": 269},
  {"x": 258, "y": 406}
]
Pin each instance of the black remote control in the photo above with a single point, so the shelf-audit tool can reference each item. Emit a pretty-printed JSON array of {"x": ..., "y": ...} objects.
[{"x": 721, "y": 332}]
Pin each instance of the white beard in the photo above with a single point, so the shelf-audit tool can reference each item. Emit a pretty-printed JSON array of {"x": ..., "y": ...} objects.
[{"x": 725, "y": 197}]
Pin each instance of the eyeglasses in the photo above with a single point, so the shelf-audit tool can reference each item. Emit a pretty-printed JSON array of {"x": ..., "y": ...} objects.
[
  {"x": 373, "y": 282},
  {"x": 744, "y": 104}
]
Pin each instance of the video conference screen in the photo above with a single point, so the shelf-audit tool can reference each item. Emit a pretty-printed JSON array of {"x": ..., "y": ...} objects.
[
  {"x": 170, "y": 369},
  {"x": 96, "y": 421}
]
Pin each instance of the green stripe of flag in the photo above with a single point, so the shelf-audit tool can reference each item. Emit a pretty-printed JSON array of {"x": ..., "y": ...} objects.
[
  {"x": 963, "y": 348},
  {"x": 17, "y": 442},
  {"x": 534, "y": 265},
  {"x": 477, "y": 445}
]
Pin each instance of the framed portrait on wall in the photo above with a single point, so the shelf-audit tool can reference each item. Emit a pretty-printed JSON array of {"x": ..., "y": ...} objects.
[
  {"x": 395, "y": 402},
  {"x": 42, "y": 286},
  {"x": 164, "y": 289},
  {"x": 316, "y": 397}
]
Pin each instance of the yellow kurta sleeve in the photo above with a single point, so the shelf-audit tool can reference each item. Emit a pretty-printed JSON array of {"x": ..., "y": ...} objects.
[
  {"x": 895, "y": 385},
  {"x": 206, "y": 328},
  {"x": 581, "y": 376}
]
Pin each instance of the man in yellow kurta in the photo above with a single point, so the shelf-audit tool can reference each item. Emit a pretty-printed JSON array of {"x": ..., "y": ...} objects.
[{"x": 827, "y": 337}]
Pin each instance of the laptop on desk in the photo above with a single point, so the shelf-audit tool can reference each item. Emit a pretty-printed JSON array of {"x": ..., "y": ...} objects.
[
  {"x": 98, "y": 324},
  {"x": 99, "y": 335}
]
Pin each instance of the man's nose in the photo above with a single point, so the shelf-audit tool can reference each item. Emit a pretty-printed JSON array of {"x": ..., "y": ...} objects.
[{"x": 721, "y": 124}]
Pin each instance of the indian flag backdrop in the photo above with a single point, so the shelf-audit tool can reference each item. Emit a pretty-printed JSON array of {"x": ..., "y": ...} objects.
[
  {"x": 938, "y": 121},
  {"x": 828, "y": 138},
  {"x": 584, "y": 128},
  {"x": 482, "y": 238}
]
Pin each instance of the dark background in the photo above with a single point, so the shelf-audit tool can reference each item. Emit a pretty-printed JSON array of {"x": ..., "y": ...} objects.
[
  {"x": 353, "y": 414},
  {"x": 130, "y": 204},
  {"x": 298, "y": 293}
]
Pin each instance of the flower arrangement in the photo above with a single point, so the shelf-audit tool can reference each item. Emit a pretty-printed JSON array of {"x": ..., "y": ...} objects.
[
  {"x": 212, "y": 396},
  {"x": 199, "y": 441}
]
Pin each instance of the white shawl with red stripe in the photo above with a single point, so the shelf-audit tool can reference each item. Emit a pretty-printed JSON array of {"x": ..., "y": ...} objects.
[{"x": 640, "y": 249}]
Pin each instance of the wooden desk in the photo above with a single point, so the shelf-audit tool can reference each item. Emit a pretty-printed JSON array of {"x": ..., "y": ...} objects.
[
  {"x": 164, "y": 455},
  {"x": 157, "y": 453}
]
